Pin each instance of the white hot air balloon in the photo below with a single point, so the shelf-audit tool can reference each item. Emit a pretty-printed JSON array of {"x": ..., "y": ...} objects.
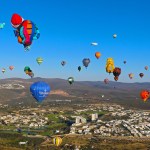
[{"x": 114, "y": 36}]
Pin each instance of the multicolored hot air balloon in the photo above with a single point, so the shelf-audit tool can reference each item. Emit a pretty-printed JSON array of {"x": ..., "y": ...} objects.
[
  {"x": 144, "y": 95},
  {"x": 141, "y": 75},
  {"x": 146, "y": 67},
  {"x": 26, "y": 31},
  {"x": 116, "y": 73},
  {"x": 110, "y": 65},
  {"x": 79, "y": 68},
  {"x": 97, "y": 55},
  {"x": 3, "y": 70},
  {"x": 57, "y": 141},
  {"x": 70, "y": 80},
  {"x": 63, "y": 63},
  {"x": 11, "y": 67},
  {"x": 131, "y": 75},
  {"x": 27, "y": 69},
  {"x": 86, "y": 62},
  {"x": 40, "y": 90},
  {"x": 39, "y": 60},
  {"x": 106, "y": 81}
]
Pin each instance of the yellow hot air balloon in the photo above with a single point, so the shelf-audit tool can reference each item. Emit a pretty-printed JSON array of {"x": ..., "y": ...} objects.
[
  {"x": 110, "y": 65},
  {"x": 57, "y": 141},
  {"x": 39, "y": 60}
]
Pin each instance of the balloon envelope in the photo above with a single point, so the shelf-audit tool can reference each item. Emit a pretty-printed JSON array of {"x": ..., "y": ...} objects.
[
  {"x": 110, "y": 65},
  {"x": 3, "y": 70},
  {"x": 11, "y": 67},
  {"x": 86, "y": 62},
  {"x": 106, "y": 81},
  {"x": 57, "y": 141},
  {"x": 70, "y": 80},
  {"x": 79, "y": 68},
  {"x": 63, "y": 63},
  {"x": 40, "y": 90},
  {"x": 131, "y": 75},
  {"x": 116, "y": 73},
  {"x": 114, "y": 35},
  {"x": 39, "y": 60},
  {"x": 141, "y": 75},
  {"x": 144, "y": 95},
  {"x": 97, "y": 55},
  {"x": 146, "y": 67},
  {"x": 124, "y": 62}
]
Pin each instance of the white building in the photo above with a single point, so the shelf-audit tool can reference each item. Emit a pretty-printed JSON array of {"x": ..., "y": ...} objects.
[
  {"x": 80, "y": 120},
  {"x": 94, "y": 117}
]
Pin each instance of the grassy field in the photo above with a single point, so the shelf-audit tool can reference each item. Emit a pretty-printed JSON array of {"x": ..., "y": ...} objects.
[{"x": 85, "y": 142}]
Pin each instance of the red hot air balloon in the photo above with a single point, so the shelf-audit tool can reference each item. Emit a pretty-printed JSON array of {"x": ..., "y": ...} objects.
[
  {"x": 116, "y": 73},
  {"x": 11, "y": 67},
  {"x": 145, "y": 95}
]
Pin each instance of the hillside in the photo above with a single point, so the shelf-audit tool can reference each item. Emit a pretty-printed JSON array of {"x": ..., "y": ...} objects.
[{"x": 121, "y": 93}]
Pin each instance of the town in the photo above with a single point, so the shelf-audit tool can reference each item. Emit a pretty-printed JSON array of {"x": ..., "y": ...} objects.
[{"x": 92, "y": 119}]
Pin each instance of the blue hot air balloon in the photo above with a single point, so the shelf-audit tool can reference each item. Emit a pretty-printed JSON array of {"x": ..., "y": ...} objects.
[{"x": 40, "y": 90}]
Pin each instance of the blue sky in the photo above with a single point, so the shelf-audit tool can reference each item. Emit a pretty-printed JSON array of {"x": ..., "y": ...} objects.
[{"x": 68, "y": 27}]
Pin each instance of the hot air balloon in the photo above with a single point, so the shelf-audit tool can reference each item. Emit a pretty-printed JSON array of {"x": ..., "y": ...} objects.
[
  {"x": 141, "y": 75},
  {"x": 94, "y": 44},
  {"x": 3, "y": 70},
  {"x": 110, "y": 65},
  {"x": 26, "y": 31},
  {"x": 124, "y": 62},
  {"x": 2, "y": 25},
  {"x": 106, "y": 81},
  {"x": 86, "y": 62},
  {"x": 63, "y": 63},
  {"x": 39, "y": 90},
  {"x": 144, "y": 95},
  {"x": 27, "y": 69},
  {"x": 114, "y": 36},
  {"x": 57, "y": 141},
  {"x": 79, "y": 68},
  {"x": 116, "y": 73},
  {"x": 146, "y": 67},
  {"x": 97, "y": 55},
  {"x": 131, "y": 75},
  {"x": 39, "y": 60},
  {"x": 70, "y": 80},
  {"x": 11, "y": 67}
]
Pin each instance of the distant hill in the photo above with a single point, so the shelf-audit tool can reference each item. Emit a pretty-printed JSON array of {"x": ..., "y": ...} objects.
[{"x": 12, "y": 89}]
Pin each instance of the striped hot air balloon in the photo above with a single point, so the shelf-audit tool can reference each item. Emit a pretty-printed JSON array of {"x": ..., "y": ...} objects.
[
  {"x": 39, "y": 60},
  {"x": 57, "y": 141}
]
